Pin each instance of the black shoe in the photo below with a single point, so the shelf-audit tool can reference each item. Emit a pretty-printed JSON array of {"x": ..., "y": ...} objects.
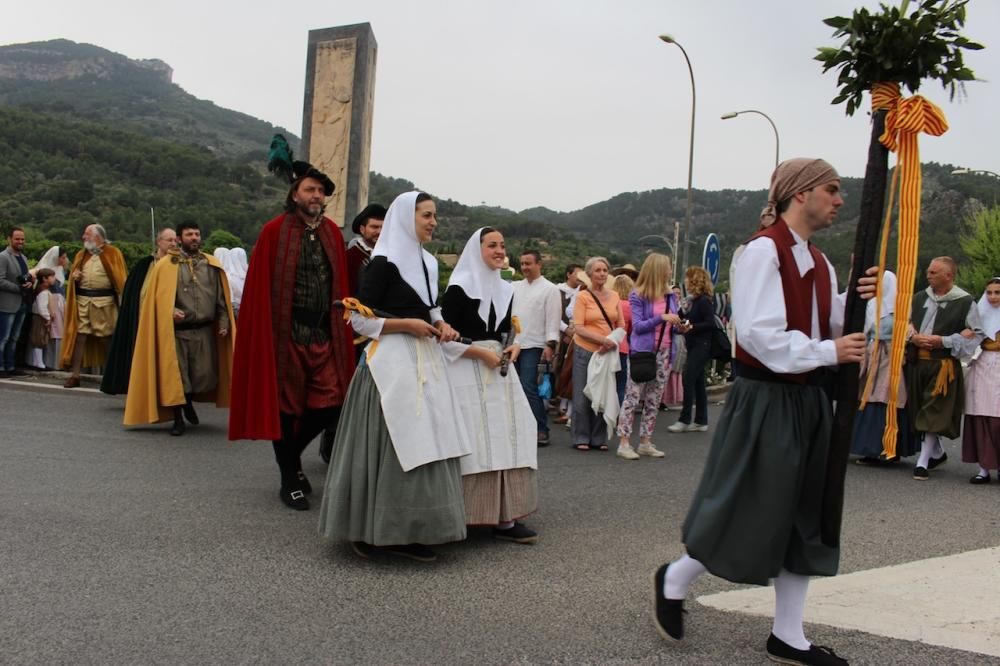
[
  {"x": 817, "y": 655},
  {"x": 304, "y": 484},
  {"x": 326, "y": 445},
  {"x": 18, "y": 373},
  {"x": 668, "y": 614},
  {"x": 934, "y": 462},
  {"x": 413, "y": 551},
  {"x": 190, "y": 414},
  {"x": 178, "y": 428},
  {"x": 869, "y": 460},
  {"x": 362, "y": 549},
  {"x": 979, "y": 479},
  {"x": 4, "y": 374},
  {"x": 518, "y": 533},
  {"x": 295, "y": 499},
  {"x": 920, "y": 473},
  {"x": 543, "y": 439}
]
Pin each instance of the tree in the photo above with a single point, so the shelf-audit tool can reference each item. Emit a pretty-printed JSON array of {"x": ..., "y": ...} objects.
[
  {"x": 881, "y": 52},
  {"x": 981, "y": 244},
  {"x": 221, "y": 238}
]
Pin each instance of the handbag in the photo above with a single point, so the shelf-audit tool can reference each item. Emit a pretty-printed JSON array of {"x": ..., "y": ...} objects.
[
  {"x": 642, "y": 365},
  {"x": 39, "y": 334},
  {"x": 719, "y": 346}
]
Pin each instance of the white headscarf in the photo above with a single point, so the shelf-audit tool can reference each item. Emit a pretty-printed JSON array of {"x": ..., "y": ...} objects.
[
  {"x": 399, "y": 245},
  {"x": 221, "y": 253},
  {"x": 51, "y": 260},
  {"x": 235, "y": 264},
  {"x": 888, "y": 299},
  {"x": 480, "y": 282},
  {"x": 990, "y": 317}
]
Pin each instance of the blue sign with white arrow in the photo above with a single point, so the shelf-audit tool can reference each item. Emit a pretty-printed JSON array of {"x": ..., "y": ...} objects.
[{"x": 711, "y": 258}]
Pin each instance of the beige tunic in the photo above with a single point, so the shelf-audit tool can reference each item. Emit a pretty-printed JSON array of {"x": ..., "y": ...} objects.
[
  {"x": 96, "y": 315},
  {"x": 202, "y": 299}
]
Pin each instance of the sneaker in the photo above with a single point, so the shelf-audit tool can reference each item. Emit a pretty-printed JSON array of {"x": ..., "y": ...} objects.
[
  {"x": 518, "y": 533},
  {"x": 696, "y": 427},
  {"x": 668, "y": 614},
  {"x": 649, "y": 450},
  {"x": 934, "y": 462},
  {"x": 627, "y": 452},
  {"x": 678, "y": 427},
  {"x": 413, "y": 551},
  {"x": 817, "y": 655},
  {"x": 920, "y": 473}
]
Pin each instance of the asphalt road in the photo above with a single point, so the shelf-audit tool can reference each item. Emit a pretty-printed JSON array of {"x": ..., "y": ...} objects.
[{"x": 133, "y": 547}]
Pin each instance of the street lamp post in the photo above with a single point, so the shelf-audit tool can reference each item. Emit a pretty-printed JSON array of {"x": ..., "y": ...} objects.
[
  {"x": 777, "y": 141},
  {"x": 690, "y": 201}
]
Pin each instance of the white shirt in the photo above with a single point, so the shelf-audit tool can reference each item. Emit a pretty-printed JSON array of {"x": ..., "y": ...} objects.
[
  {"x": 537, "y": 305},
  {"x": 955, "y": 343},
  {"x": 759, "y": 310}
]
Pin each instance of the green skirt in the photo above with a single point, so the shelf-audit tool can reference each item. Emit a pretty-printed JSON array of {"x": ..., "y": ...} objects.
[
  {"x": 757, "y": 508},
  {"x": 940, "y": 414},
  {"x": 368, "y": 496}
]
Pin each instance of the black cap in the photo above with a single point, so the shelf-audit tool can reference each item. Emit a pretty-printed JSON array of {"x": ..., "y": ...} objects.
[
  {"x": 371, "y": 210},
  {"x": 301, "y": 170}
]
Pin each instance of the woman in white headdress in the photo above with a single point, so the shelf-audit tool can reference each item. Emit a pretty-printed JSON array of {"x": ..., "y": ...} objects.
[
  {"x": 869, "y": 423},
  {"x": 498, "y": 478},
  {"x": 55, "y": 259},
  {"x": 235, "y": 266},
  {"x": 395, "y": 478},
  {"x": 981, "y": 431}
]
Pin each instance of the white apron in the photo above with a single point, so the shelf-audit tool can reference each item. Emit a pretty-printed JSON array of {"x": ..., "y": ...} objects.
[
  {"x": 417, "y": 400},
  {"x": 496, "y": 415}
]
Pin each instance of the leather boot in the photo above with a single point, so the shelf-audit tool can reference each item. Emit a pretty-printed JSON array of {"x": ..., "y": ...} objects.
[{"x": 179, "y": 426}]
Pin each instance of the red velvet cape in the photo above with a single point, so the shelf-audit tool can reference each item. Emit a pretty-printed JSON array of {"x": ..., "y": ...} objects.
[{"x": 265, "y": 325}]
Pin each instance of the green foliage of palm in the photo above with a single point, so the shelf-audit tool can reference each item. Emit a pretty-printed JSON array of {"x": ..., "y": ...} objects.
[
  {"x": 981, "y": 244},
  {"x": 893, "y": 46}
]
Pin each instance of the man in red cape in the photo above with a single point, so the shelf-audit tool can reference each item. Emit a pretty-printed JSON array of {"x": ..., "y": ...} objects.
[{"x": 294, "y": 358}]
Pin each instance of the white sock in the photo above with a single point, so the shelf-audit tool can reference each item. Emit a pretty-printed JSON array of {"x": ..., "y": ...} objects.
[
  {"x": 505, "y": 526},
  {"x": 928, "y": 447},
  {"x": 983, "y": 471},
  {"x": 680, "y": 575},
  {"x": 789, "y": 605}
]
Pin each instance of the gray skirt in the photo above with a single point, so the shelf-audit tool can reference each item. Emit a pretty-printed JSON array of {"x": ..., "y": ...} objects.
[
  {"x": 757, "y": 507},
  {"x": 368, "y": 496}
]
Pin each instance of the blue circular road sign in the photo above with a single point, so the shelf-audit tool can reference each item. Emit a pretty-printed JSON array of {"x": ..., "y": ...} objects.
[{"x": 711, "y": 258}]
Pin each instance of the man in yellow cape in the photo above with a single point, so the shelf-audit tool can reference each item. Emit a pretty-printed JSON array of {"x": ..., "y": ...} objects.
[
  {"x": 93, "y": 294},
  {"x": 184, "y": 345}
]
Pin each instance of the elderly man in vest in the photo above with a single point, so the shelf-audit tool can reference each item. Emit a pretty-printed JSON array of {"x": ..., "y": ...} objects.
[
  {"x": 755, "y": 517},
  {"x": 93, "y": 294},
  {"x": 945, "y": 327}
]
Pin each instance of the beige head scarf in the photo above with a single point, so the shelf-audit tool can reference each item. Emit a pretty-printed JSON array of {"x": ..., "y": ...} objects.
[{"x": 791, "y": 177}]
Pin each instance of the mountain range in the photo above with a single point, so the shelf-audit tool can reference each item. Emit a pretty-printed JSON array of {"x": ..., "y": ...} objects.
[{"x": 93, "y": 135}]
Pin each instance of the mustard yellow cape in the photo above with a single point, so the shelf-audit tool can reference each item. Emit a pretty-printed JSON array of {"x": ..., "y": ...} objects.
[
  {"x": 155, "y": 386},
  {"x": 114, "y": 266}
]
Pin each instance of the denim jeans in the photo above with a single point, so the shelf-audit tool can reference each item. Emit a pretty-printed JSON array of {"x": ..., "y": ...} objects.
[
  {"x": 10, "y": 331},
  {"x": 695, "y": 393},
  {"x": 527, "y": 371}
]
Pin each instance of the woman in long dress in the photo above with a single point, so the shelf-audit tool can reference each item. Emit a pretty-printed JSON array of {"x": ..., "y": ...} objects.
[
  {"x": 395, "y": 479},
  {"x": 869, "y": 424},
  {"x": 55, "y": 259},
  {"x": 981, "y": 431},
  {"x": 498, "y": 478}
]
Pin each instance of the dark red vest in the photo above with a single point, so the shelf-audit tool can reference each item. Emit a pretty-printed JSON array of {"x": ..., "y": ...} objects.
[{"x": 798, "y": 291}]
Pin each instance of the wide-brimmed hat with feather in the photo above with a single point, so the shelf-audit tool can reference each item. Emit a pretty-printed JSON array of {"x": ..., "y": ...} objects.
[{"x": 281, "y": 162}]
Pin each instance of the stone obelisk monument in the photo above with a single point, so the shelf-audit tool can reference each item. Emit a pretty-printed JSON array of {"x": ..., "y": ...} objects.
[{"x": 337, "y": 114}]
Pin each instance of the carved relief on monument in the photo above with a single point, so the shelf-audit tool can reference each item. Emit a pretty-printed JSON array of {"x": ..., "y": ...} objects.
[{"x": 330, "y": 143}]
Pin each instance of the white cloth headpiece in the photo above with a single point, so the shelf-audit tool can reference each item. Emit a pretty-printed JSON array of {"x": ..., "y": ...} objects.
[
  {"x": 221, "y": 253},
  {"x": 51, "y": 260},
  {"x": 480, "y": 282},
  {"x": 990, "y": 317},
  {"x": 234, "y": 263},
  {"x": 399, "y": 245}
]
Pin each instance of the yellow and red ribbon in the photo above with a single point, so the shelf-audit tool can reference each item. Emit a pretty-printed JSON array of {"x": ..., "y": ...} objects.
[{"x": 905, "y": 121}]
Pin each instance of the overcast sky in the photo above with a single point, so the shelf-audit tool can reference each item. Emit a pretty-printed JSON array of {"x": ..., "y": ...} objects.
[{"x": 560, "y": 103}]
